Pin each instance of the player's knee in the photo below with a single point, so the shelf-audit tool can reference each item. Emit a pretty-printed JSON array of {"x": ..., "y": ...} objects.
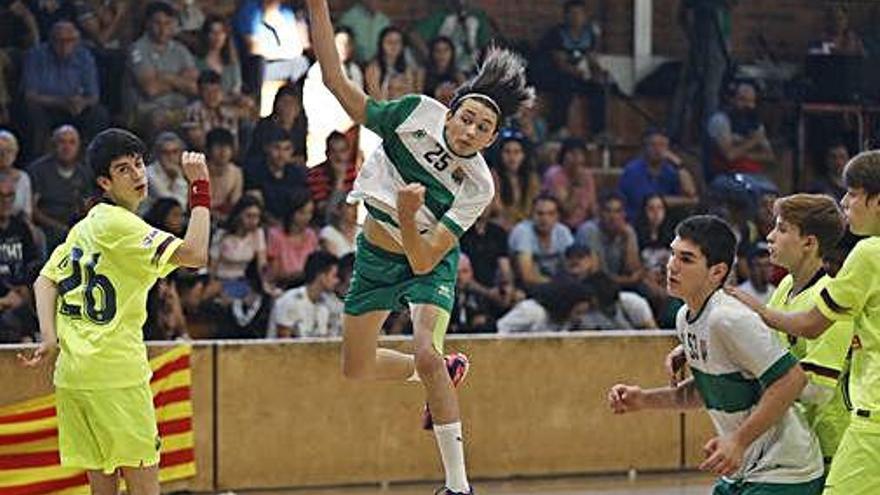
[{"x": 428, "y": 362}]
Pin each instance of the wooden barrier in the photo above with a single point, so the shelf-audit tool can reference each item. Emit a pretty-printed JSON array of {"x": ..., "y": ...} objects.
[{"x": 531, "y": 406}]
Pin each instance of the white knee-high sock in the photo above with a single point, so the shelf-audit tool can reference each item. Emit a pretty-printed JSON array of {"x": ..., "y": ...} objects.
[{"x": 451, "y": 446}]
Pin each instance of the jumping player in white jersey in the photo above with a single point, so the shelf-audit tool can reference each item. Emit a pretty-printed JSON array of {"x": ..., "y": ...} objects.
[
  {"x": 741, "y": 374},
  {"x": 423, "y": 188}
]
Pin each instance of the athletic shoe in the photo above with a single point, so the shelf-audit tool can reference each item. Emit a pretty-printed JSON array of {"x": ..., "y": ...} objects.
[
  {"x": 447, "y": 491},
  {"x": 457, "y": 364}
]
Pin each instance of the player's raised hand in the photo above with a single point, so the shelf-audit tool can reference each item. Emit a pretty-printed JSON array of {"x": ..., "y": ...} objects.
[
  {"x": 749, "y": 300},
  {"x": 674, "y": 364},
  {"x": 194, "y": 165},
  {"x": 626, "y": 398},
  {"x": 410, "y": 198},
  {"x": 724, "y": 456},
  {"x": 44, "y": 350}
]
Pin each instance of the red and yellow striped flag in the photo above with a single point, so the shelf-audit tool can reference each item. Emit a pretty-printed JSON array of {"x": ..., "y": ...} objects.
[{"x": 29, "y": 460}]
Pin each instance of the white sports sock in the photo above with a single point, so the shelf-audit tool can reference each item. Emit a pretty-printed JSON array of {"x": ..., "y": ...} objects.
[{"x": 452, "y": 452}]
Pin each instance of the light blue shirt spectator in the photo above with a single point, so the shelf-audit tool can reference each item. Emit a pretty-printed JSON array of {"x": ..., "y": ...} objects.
[{"x": 550, "y": 261}]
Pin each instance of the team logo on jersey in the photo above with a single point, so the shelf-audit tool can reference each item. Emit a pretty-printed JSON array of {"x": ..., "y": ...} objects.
[
  {"x": 149, "y": 238},
  {"x": 420, "y": 134},
  {"x": 458, "y": 175},
  {"x": 444, "y": 291}
]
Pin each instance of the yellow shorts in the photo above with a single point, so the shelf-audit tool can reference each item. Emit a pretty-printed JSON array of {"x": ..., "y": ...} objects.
[
  {"x": 107, "y": 429},
  {"x": 855, "y": 468}
]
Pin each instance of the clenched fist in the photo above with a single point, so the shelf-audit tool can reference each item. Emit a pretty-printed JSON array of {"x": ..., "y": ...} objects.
[
  {"x": 194, "y": 165},
  {"x": 410, "y": 198}
]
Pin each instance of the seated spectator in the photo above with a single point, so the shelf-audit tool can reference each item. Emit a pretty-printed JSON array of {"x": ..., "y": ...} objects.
[
  {"x": 390, "y": 75},
  {"x": 613, "y": 309},
  {"x": 18, "y": 251},
  {"x": 305, "y": 310},
  {"x": 516, "y": 182},
  {"x": 572, "y": 183},
  {"x": 485, "y": 243},
  {"x": 61, "y": 86},
  {"x": 339, "y": 236},
  {"x": 839, "y": 37},
  {"x": 209, "y": 112},
  {"x": 291, "y": 243},
  {"x": 241, "y": 243},
  {"x": 62, "y": 184},
  {"x": 441, "y": 67},
  {"x": 831, "y": 181},
  {"x": 103, "y": 23},
  {"x": 555, "y": 307},
  {"x": 164, "y": 71},
  {"x": 165, "y": 176},
  {"x": 273, "y": 38},
  {"x": 245, "y": 317},
  {"x": 324, "y": 112},
  {"x": 580, "y": 264},
  {"x": 613, "y": 241},
  {"x": 366, "y": 23},
  {"x": 760, "y": 273},
  {"x": 334, "y": 301},
  {"x": 227, "y": 181},
  {"x": 19, "y": 178},
  {"x": 568, "y": 66},
  {"x": 166, "y": 214},
  {"x": 218, "y": 54},
  {"x": 165, "y": 316},
  {"x": 470, "y": 312},
  {"x": 278, "y": 178},
  {"x": 468, "y": 26},
  {"x": 288, "y": 117},
  {"x": 654, "y": 232},
  {"x": 738, "y": 139},
  {"x": 537, "y": 246},
  {"x": 190, "y": 19},
  {"x": 657, "y": 171},
  {"x": 18, "y": 32},
  {"x": 334, "y": 175},
  {"x": 49, "y": 13}
]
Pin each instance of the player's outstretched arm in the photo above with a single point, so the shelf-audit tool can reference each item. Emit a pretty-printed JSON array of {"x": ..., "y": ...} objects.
[
  {"x": 629, "y": 398},
  {"x": 809, "y": 324},
  {"x": 46, "y": 294},
  {"x": 193, "y": 253},
  {"x": 350, "y": 96}
]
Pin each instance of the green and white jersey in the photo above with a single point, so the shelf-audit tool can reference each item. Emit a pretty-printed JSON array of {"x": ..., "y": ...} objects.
[
  {"x": 414, "y": 149},
  {"x": 734, "y": 357}
]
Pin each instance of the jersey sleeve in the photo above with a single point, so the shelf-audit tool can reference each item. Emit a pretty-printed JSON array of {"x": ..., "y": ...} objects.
[
  {"x": 826, "y": 356},
  {"x": 384, "y": 117},
  {"x": 469, "y": 204},
  {"x": 752, "y": 346},
  {"x": 59, "y": 261},
  {"x": 845, "y": 295},
  {"x": 148, "y": 249}
]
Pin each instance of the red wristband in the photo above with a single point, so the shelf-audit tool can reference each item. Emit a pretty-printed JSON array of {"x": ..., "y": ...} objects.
[{"x": 200, "y": 194}]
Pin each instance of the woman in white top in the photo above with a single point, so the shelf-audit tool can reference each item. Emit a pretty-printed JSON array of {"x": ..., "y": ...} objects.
[
  {"x": 339, "y": 236},
  {"x": 23, "y": 193}
]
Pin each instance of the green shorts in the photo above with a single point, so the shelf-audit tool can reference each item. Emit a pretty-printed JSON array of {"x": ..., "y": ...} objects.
[
  {"x": 103, "y": 430},
  {"x": 383, "y": 280},
  {"x": 809, "y": 488},
  {"x": 855, "y": 469}
]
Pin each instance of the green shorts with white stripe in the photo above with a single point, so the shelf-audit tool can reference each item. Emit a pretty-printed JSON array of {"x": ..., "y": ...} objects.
[{"x": 723, "y": 487}]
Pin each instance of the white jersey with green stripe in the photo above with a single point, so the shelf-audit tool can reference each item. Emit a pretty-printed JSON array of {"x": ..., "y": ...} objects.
[
  {"x": 734, "y": 357},
  {"x": 414, "y": 149}
]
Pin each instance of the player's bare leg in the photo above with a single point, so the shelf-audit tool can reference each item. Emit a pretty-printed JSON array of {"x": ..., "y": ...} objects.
[
  {"x": 362, "y": 359},
  {"x": 142, "y": 480},
  {"x": 103, "y": 484}
]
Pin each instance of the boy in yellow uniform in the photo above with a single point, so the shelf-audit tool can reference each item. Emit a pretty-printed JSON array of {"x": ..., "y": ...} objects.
[
  {"x": 807, "y": 227},
  {"x": 92, "y": 294},
  {"x": 853, "y": 295}
]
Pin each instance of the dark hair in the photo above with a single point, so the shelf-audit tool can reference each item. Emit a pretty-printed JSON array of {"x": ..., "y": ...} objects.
[
  {"x": 525, "y": 172},
  {"x": 568, "y": 146},
  {"x": 610, "y": 196},
  {"x": 714, "y": 237},
  {"x": 246, "y": 201},
  {"x": 344, "y": 29},
  {"x": 208, "y": 76},
  {"x": 863, "y": 172},
  {"x": 432, "y": 63},
  {"x": 154, "y": 8},
  {"x": 400, "y": 63},
  {"x": 605, "y": 291},
  {"x": 560, "y": 297},
  {"x": 333, "y": 136},
  {"x": 289, "y": 89},
  {"x": 297, "y": 202},
  {"x": 227, "y": 53},
  {"x": 643, "y": 227},
  {"x": 654, "y": 131},
  {"x": 546, "y": 196},
  {"x": 157, "y": 215},
  {"x": 570, "y": 4},
  {"x": 275, "y": 134},
  {"x": 110, "y": 145},
  {"x": 502, "y": 78},
  {"x": 219, "y": 136},
  {"x": 318, "y": 263},
  {"x": 346, "y": 265}
]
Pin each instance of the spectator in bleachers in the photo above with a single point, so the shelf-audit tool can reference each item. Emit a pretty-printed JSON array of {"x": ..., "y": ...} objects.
[
  {"x": 568, "y": 66},
  {"x": 614, "y": 241},
  {"x": 468, "y": 26},
  {"x": 305, "y": 310},
  {"x": 165, "y": 176},
  {"x": 103, "y": 23},
  {"x": 291, "y": 243},
  {"x": 739, "y": 141},
  {"x": 839, "y": 37},
  {"x": 339, "y": 236},
  {"x": 613, "y": 309},
  {"x": 580, "y": 263},
  {"x": 209, "y": 112},
  {"x": 61, "y": 86},
  {"x": 164, "y": 70},
  {"x": 485, "y": 243},
  {"x": 335, "y": 175},
  {"x": 572, "y": 182},
  {"x": 218, "y": 54},
  {"x": 165, "y": 307},
  {"x": 654, "y": 232},
  {"x": 166, "y": 214},
  {"x": 273, "y": 37},
  {"x": 537, "y": 246},
  {"x": 516, "y": 182},
  {"x": 441, "y": 67},
  {"x": 831, "y": 182},
  {"x": 241, "y": 243},
  {"x": 227, "y": 181},
  {"x": 62, "y": 183},
  {"x": 657, "y": 171},
  {"x": 278, "y": 178},
  {"x": 48, "y": 13},
  {"x": 190, "y": 18},
  {"x": 323, "y": 110},
  {"x": 555, "y": 307},
  {"x": 760, "y": 272},
  {"x": 470, "y": 311},
  {"x": 390, "y": 75},
  {"x": 18, "y": 33},
  {"x": 18, "y": 251},
  {"x": 287, "y": 116},
  {"x": 19, "y": 178},
  {"x": 334, "y": 301},
  {"x": 366, "y": 21}
]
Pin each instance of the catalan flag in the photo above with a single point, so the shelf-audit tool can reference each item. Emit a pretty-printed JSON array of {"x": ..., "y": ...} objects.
[{"x": 29, "y": 459}]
